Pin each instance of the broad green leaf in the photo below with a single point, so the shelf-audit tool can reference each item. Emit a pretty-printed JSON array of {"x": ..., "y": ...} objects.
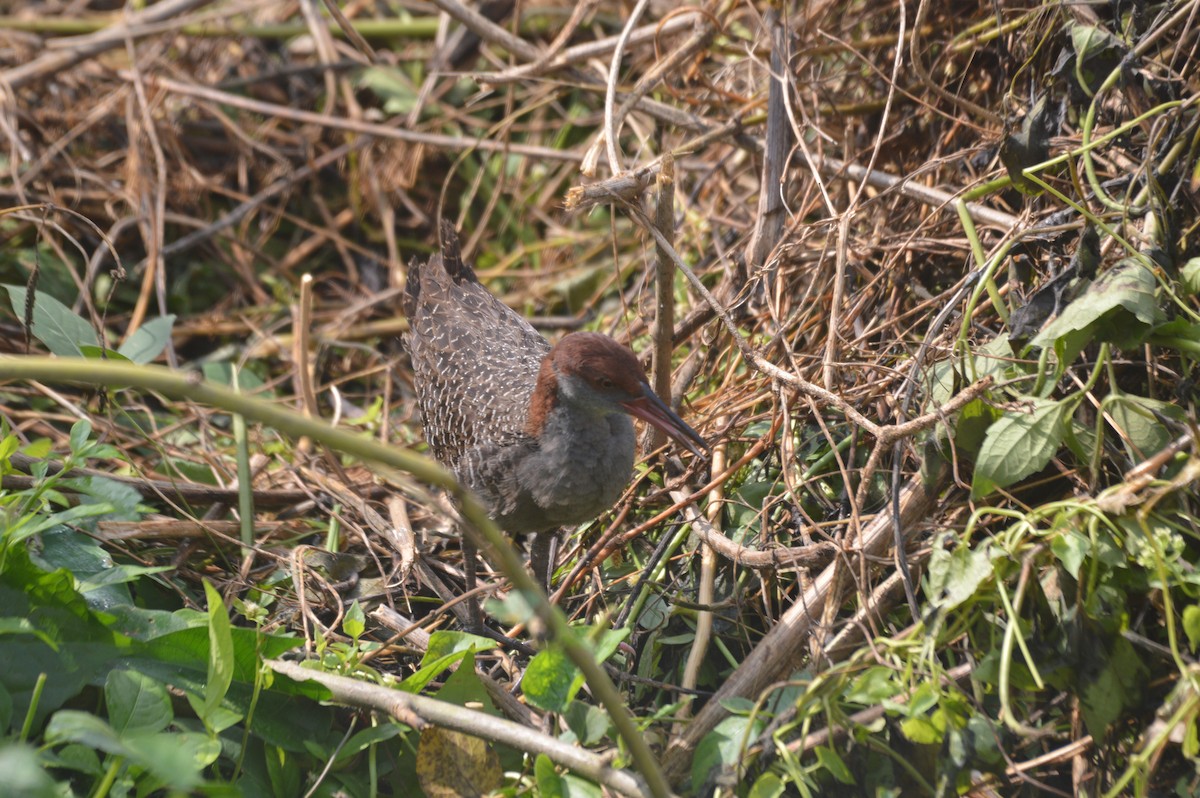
[
  {"x": 465, "y": 688},
  {"x": 921, "y": 731},
  {"x": 24, "y": 773},
  {"x": 23, "y": 626},
  {"x": 70, "y": 725},
  {"x": 549, "y": 783},
  {"x": 1117, "y": 686},
  {"x": 1137, "y": 418},
  {"x": 1089, "y": 41},
  {"x": 1119, "y": 307},
  {"x": 955, "y": 575},
  {"x": 392, "y": 86},
  {"x": 1191, "y": 625},
  {"x": 372, "y": 735},
  {"x": 588, "y": 723},
  {"x": 177, "y": 759},
  {"x": 971, "y": 427},
  {"x": 768, "y": 785},
  {"x": 1071, "y": 548},
  {"x": 874, "y": 685},
  {"x": 1029, "y": 145},
  {"x": 515, "y": 608},
  {"x": 723, "y": 747},
  {"x": 81, "y": 430},
  {"x": 100, "y": 353},
  {"x": 446, "y": 649},
  {"x": 149, "y": 340},
  {"x": 445, "y": 642},
  {"x": 551, "y": 680},
  {"x": 1097, "y": 53},
  {"x": 829, "y": 759},
  {"x": 220, "y": 651},
  {"x": 136, "y": 703},
  {"x": 54, "y": 324},
  {"x": 216, "y": 719},
  {"x": 579, "y": 787},
  {"x": 1081, "y": 440},
  {"x": 28, "y": 526},
  {"x": 1017, "y": 445},
  {"x": 122, "y": 497},
  {"x": 354, "y": 624},
  {"x": 83, "y": 649},
  {"x": 1190, "y": 273}
]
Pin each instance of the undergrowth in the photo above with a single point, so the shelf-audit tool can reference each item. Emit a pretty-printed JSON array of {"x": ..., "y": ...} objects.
[{"x": 935, "y": 276}]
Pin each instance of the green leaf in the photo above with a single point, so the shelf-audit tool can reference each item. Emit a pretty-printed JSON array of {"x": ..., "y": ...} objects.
[
  {"x": 100, "y": 353},
  {"x": 1190, "y": 273},
  {"x": 176, "y": 759},
  {"x": 74, "y": 726},
  {"x": 578, "y": 787},
  {"x": 551, "y": 680},
  {"x": 81, "y": 430},
  {"x": 446, "y": 649},
  {"x": 122, "y": 497},
  {"x": 62, "y": 331},
  {"x": 443, "y": 643},
  {"x": 24, "y": 773},
  {"x": 392, "y": 86},
  {"x": 1017, "y": 445},
  {"x": 1091, "y": 41},
  {"x": 149, "y": 340},
  {"x": 1118, "y": 685},
  {"x": 873, "y": 686},
  {"x": 83, "y": 649},
  {"x": 1071, "y": 548},
  {"x": 829, "y": 759},
  {"x": 971, "y": 426},
  {"x": 465, "y": 688},
  {"x": 1081, "y": 440},
  {"x": 1138, "y": 419},
  {"x": 549, "y": 783},
  {"x": 1191, "y": 625},
  {"x": 588, "y": 723},
  {"x": 368, "y": 737},
  {"x": 955, "y": 575},
  {"x": 1119, "y": 307},
  {"x": 136, "y": 703},
  {"x": 354, "y": 624},
  {"x": 220, "y": 651},
  {"x": 1030, "y": 145},
  {"x": 768, "y": 785},
  {"x": 921, "y": 731},
  {"x": 722, "y": 747}
]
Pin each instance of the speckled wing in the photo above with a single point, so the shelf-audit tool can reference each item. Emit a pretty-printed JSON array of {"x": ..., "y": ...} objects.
[{"x": 475, "y": 360}]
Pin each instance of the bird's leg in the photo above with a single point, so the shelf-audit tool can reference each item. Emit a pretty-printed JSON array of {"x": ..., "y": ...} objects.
[
  {"x": 471, "y": 579},
  {"x": 542, "y": 551}
]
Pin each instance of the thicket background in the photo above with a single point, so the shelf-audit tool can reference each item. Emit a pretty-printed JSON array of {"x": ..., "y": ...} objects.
[{"x": 944, "y": 352}]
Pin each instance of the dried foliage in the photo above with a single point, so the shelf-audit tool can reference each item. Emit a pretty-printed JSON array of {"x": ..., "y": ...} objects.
[{"x": 935, "y": 284}]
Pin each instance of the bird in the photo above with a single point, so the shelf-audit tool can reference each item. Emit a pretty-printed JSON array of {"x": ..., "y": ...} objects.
[{"x": 540, "y": 433}]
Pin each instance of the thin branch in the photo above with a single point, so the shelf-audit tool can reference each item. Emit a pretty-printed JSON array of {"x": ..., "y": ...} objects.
[{"x": 420, "y": 711}]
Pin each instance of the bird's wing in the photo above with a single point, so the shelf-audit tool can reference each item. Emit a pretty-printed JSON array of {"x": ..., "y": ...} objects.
[{"x": 475, "y": 360}]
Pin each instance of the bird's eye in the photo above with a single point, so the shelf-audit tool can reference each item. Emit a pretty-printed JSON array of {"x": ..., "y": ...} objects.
[{"x": 605, "y": 383}]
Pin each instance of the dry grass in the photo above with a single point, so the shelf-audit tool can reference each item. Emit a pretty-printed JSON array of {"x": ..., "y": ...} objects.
[{"x": 232, "y": 148}]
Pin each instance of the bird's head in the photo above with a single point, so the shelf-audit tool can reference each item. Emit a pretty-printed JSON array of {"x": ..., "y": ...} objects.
[{"x": 594, "y": 373}]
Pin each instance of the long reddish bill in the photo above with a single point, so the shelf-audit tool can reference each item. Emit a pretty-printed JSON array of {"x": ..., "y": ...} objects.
[{"x": 649, "y": 408}]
